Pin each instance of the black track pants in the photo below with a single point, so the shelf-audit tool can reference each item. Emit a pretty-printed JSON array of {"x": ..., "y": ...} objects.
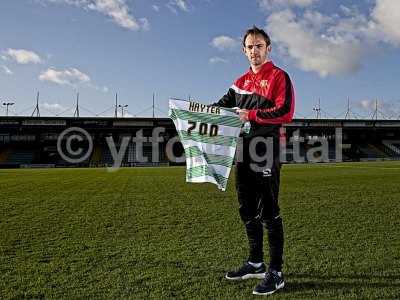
[{"x": 257, "y": 186}]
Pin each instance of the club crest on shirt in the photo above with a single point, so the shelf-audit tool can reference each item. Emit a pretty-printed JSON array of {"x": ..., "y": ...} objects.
[
  {"x": 264, "y": 83},
  {"x": 247, "y": 82}
]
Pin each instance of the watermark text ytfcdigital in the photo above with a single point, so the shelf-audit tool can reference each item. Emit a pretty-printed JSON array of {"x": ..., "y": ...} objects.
[{"x": 75, "y": 146}]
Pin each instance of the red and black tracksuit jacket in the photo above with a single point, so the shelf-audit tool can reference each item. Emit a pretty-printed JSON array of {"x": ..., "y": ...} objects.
[{"x": 269, "y": 96}]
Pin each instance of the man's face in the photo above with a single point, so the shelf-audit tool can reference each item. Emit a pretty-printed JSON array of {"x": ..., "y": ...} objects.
[{"x": 256, "y": 49}]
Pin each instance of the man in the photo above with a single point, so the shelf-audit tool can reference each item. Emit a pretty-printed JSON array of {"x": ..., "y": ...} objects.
[{"x": 264, "y": 97}]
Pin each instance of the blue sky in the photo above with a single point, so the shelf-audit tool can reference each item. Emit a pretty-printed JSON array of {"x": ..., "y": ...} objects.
[{"x": 175, "y": 48}]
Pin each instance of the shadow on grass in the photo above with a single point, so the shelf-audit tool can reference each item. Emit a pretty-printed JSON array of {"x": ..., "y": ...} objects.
[
  {"x": 316, "y": 282},
  {"x": 302, "y": 282},
  {"x": 344, "y": 276}
]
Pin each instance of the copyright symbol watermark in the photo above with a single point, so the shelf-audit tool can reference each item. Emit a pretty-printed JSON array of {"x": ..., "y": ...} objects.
[{"x": 74, "y": 145}]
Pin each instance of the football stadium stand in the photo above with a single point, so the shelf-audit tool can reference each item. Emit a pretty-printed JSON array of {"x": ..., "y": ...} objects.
[{"x": 36, "y": 142}]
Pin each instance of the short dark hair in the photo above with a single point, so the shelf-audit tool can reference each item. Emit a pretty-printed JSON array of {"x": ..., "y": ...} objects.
[{"x": 255, "y": 30}]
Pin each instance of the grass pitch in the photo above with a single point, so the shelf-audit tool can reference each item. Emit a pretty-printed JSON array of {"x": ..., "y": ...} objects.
[{"x": 143, "y": 233}]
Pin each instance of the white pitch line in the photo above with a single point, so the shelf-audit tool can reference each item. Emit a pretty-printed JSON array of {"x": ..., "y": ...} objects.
[
  {"x": 359, "y": 167},
  {"x": 352, "y": 167}
]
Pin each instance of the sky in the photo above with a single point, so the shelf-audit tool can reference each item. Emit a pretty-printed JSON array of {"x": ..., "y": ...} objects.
[{"x": 334, "y": 51}]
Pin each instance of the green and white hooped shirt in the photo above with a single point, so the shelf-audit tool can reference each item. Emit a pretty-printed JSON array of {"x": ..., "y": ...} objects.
[{"x": 209, "y": 136}]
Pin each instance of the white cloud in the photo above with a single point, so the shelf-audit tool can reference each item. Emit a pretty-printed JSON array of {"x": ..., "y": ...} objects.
[
  {"x": 312, "y": 50},
  {"x": 316, "y": 19},
  {"x": 6, "y": 70},
  {"x": 182, "y": 5},
  {"x": 330, "y": 44},
  {"x": 54, "y": 108},
  {"x": 102, "y": 89},
  {"x": 71, "y": 77},
  {"x": 224, "y": 42},
  {"x": 145, "y": 24},
  {"x": 22, "y": 56},
  {"x": 128, "y": 115},
  {"x": 156, "y": 7},
  {"x": 366, "y": 104},
  {"x": 117, "y": 10},
  {"x": 388, "y": 109},
  {"x": 216, "y": 59},
  {"x": 386, "y": 14},
  {"x": 273, "y": 4}
]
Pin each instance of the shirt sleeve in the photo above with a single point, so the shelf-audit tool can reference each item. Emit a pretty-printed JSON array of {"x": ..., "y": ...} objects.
[
  {"x": 283, "y": 97},
  {"x": 228, "y": 100}
]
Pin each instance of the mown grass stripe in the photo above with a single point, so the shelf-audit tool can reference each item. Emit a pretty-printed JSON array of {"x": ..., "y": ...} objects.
[
  {"x": 231, "y": 121},
  {"x": 81, "y": 224},
  {"x": 216, "y": 140}
]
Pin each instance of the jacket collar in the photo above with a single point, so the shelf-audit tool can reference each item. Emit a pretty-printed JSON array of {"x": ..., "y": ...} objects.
[{"x": 265, "y": 67}]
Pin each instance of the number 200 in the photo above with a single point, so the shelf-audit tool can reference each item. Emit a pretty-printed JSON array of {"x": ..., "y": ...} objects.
[{"x": 203, "y": 128}]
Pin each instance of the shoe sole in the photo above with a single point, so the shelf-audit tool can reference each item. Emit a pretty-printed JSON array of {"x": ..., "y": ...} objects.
[
  {"x": 269, "y": 293},
  {"x": 248, "y": 276}
]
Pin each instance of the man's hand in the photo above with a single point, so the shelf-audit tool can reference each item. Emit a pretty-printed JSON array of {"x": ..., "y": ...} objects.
[{"x": 243, "y": 114}]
